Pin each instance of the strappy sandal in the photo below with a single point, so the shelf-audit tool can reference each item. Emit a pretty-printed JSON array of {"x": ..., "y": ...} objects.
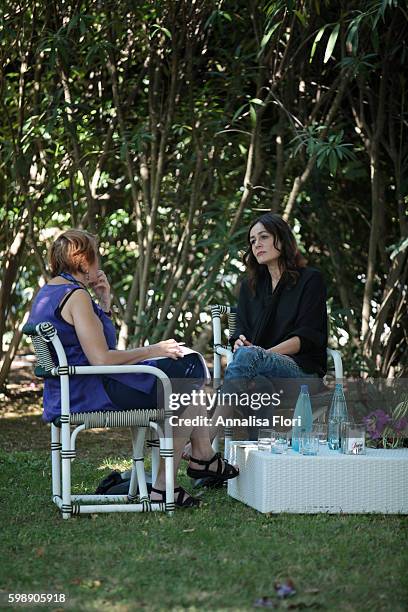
[
  {"x": 182, "y": 499},
  {"x": 224, "y": 471}
]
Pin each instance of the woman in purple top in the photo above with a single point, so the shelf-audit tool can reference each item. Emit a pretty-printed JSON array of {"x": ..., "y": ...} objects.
[{"x": 89, "y": 338}]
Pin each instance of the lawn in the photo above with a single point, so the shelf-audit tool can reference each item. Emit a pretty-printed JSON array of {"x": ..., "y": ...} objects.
[{"x": 223, "y": 556}]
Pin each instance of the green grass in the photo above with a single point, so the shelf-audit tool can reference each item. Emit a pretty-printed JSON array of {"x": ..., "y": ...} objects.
[{"x": 222, "y": 556}]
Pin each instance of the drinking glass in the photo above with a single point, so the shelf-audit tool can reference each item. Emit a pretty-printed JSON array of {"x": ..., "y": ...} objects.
[
  {"x": 320, "y": 430},
  {"x": 308, "y": 443},
  {"x": 279, "y": 442},
  {"x": 265, "y": 440},
  {"x": 344, "y": 428},
  {"x": 353, "y": 442}
]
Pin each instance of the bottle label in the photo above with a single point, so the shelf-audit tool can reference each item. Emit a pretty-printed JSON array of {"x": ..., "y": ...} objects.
[{"x": 353, "y": 446}]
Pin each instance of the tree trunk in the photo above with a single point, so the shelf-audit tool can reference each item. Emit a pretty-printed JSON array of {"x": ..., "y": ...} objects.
[
  {"x": 11, "y": 271},
  {"x": 15, "y": 343}
]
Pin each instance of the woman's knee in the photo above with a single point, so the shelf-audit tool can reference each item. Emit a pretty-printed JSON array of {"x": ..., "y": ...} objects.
[
  {"x": 195, "y": 368},
  {"x": 274, "y": 357},
  {"x": 246, "y": 354},
  {"x": 243, "y": 363}
]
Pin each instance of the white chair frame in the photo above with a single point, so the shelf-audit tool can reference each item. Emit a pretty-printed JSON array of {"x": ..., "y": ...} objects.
[
  {"x": 220, "y": 349},
  {"x": 63, "y": 440}
]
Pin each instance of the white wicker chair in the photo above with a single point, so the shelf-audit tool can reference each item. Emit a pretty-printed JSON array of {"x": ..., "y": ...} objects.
[
  {"x": 63, "y": 440},
  {"x": 227, "y": 314}
]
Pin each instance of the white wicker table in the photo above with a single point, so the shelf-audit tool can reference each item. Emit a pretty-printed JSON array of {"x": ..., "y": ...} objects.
[{"x": 328, "y": 482}]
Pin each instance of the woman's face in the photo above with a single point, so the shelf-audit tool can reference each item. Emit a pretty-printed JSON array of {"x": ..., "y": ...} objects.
[
  {"x": 92, "y": 269},
  {"x": 262, "y": 245}
]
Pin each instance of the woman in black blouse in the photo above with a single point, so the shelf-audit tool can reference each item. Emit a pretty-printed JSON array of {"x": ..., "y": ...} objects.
[{"x": 281, "y": 318}]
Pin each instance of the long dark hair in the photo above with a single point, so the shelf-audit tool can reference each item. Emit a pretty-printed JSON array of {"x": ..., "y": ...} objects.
[{"x": 290, "y": 259}]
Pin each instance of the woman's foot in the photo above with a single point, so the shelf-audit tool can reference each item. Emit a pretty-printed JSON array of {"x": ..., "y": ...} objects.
[
  {"x": 215, "y": 467},
  {"x": 182, "y": 499}
]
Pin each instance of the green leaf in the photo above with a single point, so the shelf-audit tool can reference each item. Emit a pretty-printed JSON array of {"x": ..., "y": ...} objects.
[
  {"x": 252, "y": 112},
  {"x": 226, "y": 15},
  {"x": 257, "y": 101},
  {"x": 331, "y": 43},
  {"x": 352, "y": 37},
  {"x": 302, "y": 18},
  {"x": 316, "y": 40},
  {"x": 267, "y": 36},
  {"x": 333, "y": 162},
  {"x": 158, "y": 28},
  {"x": 399, "y": 248},
  {"x": 381, "y": 11},
  {"x": 238, "y": 112},
  {"x": 167, "y": 32}
]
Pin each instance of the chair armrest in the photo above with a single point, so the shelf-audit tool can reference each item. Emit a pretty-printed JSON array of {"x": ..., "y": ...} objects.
[
  {"x": 227, "y": 352},
  {"x": 338, "y": 364},
  {"x": 120, "y": 369},
  {"x": 124, "y": 369}
]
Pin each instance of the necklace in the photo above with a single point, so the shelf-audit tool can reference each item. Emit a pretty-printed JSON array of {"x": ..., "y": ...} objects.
[{"x": 71, "y": 278}]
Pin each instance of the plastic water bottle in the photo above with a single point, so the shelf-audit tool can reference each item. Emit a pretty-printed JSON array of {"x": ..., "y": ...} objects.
[
  {"x": 337, "y": 415},
  {"x": 303, "y": 415}
]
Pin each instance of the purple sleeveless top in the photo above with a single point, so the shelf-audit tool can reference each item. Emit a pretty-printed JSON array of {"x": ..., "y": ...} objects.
[{"x": 87, "y": 392}]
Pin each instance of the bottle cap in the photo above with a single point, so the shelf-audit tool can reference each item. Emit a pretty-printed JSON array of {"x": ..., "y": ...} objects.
[{"x": 304, "y": 388}]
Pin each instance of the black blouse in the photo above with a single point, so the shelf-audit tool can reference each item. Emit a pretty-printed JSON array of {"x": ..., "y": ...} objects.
[{"x": 267, "y": 319}]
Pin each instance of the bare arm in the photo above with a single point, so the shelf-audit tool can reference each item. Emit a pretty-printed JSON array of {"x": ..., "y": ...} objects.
[
  {"x": 287, "y": 347},
  {"x": 78, "y": 312}
]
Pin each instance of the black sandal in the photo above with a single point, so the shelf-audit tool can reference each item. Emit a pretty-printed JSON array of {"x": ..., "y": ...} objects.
[
  {"x": 224, "y": 471},
  {"x": 182, "y": 500}
]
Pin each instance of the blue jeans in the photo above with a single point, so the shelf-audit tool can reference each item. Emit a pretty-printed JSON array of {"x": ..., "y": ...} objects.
[
  {"x": 252, "y": 361},
  {"x": 254, "y": 371}
]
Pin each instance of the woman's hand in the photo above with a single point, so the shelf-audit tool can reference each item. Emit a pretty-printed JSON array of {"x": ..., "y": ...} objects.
[
  {"x": 166, "y": 348},
  {"x": 241, "y": 341},
  {"x": 102, "y": 290}
]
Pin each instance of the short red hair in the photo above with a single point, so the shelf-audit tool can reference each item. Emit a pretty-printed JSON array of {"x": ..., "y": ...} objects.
[{"x": 73, "y": 251}]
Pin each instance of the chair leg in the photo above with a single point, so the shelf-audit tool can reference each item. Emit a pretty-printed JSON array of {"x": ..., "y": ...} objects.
[
  {"x": 167, "y": 453},
  {"x": 154, "y": 444},
  {"x": 155, "y": 462},
  {"x": 66, "y": 455},
  {"x": 138, "y": 476},
  {"x": 56, "y": 460},
  {"x": 217, "y": 371}
]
